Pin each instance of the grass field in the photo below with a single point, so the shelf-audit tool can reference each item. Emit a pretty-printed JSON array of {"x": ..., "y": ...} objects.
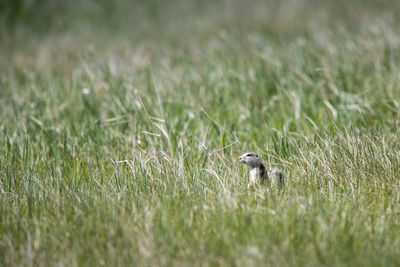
[{"x": 121, "y": 123}]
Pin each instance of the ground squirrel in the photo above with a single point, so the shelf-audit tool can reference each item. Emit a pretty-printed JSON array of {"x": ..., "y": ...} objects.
[{"x": 258, "y": 170}]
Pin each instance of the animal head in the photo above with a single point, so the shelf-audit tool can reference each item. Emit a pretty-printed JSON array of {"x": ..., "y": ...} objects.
[
  {"x": 274, "y": 172},
  {"x": 274, "y": 175},
  {"x": 251, "y": 159}
]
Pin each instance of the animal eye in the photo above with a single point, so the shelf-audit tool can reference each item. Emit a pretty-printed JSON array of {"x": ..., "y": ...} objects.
[{"x": 249, "y": 155}]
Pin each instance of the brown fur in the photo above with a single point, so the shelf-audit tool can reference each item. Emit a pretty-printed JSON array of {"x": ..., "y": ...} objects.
[{"x": 254, "y": 161}]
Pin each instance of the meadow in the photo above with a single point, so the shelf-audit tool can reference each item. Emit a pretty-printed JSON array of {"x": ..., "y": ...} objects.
[{"x": 121, "y": 123}]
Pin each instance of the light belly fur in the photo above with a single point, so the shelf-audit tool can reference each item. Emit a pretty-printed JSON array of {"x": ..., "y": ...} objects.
[{"x": 254, "y": 175}]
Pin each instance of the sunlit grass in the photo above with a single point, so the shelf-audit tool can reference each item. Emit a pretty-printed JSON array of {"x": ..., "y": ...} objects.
[{"x": 120, "y": 147}]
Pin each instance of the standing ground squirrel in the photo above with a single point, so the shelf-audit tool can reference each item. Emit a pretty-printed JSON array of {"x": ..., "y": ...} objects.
[{"x": 258, "y": 170}]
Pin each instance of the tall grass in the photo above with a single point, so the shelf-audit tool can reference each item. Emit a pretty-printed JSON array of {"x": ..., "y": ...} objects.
[{"x": 120, "y": 131}]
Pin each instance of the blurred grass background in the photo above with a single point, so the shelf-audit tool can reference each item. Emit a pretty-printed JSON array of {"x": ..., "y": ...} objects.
[{"x": 121, "y": 122}]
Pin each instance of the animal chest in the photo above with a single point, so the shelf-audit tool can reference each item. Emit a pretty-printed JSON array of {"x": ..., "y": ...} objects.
[{"x": 254, "y": 175}]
